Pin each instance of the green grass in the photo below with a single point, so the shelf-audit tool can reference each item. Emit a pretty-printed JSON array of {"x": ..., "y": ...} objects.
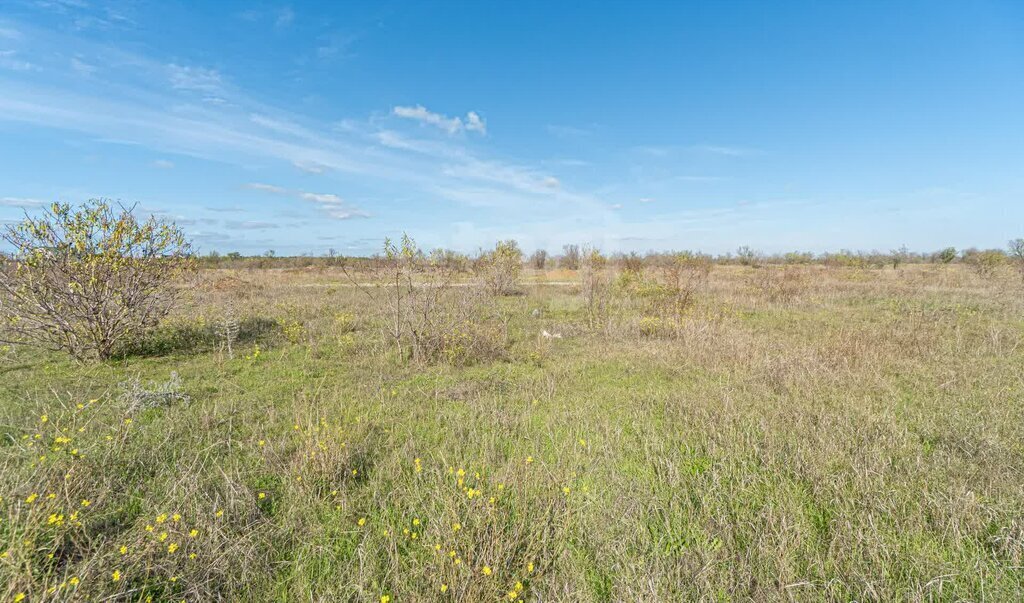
[{"x": 862, "y": 441}]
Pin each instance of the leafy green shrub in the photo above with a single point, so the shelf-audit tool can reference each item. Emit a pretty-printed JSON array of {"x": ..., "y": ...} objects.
[{"x": 500, "y": 268}]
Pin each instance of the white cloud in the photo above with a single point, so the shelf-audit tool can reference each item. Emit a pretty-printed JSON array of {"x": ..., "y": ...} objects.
[
  {"x": 645, "y": 200},
  {"x": 195, "y": 79},
  {"x": 311, "y": 167},
  {"x": 267, "y": 188},
  {"x": 330, "y": 204},
  {"x": 163, "y": 164},
  {"x": 9, "y": 60},
  {"x": 475, "y": 124},
  {"x": 285, "y": 16},
  {"x": 10, "y": 33},
  {"x": 249, "y": 225},
  {"x": 81, "y": 67},
  {"x": 725, "y": 150},
  {"x": 326, "y": 198},
  {"x": 451, "y": 125},
  {"x": 21, "y": 202}
]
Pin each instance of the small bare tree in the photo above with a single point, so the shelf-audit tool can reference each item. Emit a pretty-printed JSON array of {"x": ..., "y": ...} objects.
[
  {"x": 685, "y": 274},
  {"x": 539, "y": 259},
  {"x": 595, "y": 285},
  {"x": 88, "y": 280},
  {"x": 571, "y": 256},
  {"x": 1016, "y": 247},
  {"x": 227, "y": 330}
]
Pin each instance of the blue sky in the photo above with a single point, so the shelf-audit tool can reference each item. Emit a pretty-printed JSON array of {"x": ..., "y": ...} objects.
[{"x": 300, "y": 127}]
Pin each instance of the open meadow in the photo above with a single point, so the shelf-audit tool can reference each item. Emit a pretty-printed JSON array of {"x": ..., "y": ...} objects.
[{"x": 784, "y": 433}]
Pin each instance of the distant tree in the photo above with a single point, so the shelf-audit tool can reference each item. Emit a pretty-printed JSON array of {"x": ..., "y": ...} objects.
[
  {"x": 269, "y": 253},
  {"x": 746, "y": 256},
  {"x": 571, "y": 256},
  {"x": 539, "y": 259},
  {"x": 633, "y": 262},
  {"x": 234, "y": 255},
  {"x": 1016, "y": 247},
  {"x": 899, "y": 256},
  {"x": 88, "y": 280},
  {"x": 947, "y": 255}
]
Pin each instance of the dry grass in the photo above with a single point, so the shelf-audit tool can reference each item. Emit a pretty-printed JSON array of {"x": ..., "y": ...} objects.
[{"x": 808, "y": 433}]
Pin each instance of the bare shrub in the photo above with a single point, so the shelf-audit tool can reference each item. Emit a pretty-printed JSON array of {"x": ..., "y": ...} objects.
[
  {"x": 137, "y": 396},
  {"x": 87, "y": 281},
  {"x": 539, "y": 259},
  {"x": 633, "y": 262},
  {"x": 685, "y": 274},
  {"x": 595, "y": 286},
  {"x": 424, "y": 315},
  {"x": 747, "y": 256},
  {"x": 780, "y": 284},
  {"x": 226, "y": 330},
  {"x": 1016, "y": 248},
  {"x": 571, "y": 257},
  {"x": 987, "y": 263},
  {"x": 499, "y": 268}
]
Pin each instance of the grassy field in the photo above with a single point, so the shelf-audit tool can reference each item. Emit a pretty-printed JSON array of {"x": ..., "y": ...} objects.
[{"x": 859, "y": 437}]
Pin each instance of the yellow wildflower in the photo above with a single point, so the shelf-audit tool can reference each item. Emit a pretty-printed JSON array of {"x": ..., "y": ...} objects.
[{"x": 487, "y": 570}]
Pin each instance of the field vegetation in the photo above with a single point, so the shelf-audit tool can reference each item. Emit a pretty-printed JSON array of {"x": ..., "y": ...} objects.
[{"x": 430, "y": 427}]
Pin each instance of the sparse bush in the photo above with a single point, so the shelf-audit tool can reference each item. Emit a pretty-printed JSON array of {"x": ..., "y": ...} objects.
[
  {"x": 424, "y": 316},
  {"x": 500, "y": 268},
  {"x": 136, "y": 396},
  {"x": 226, "y": 330},
  {"x": 595, "y": 287},
  {"x": 1016, "y": 247},
  {"x": 684, "y": 275},
  {"x": 796, "y": 257},
  {"x": 571, "y": 256},
  {"x": 87, "y": 281},
  {"x": 633, "y": 262},
  {"x": 947, "y": 255},
  {"x": 539, "y": 259},
  {"x": 746, "y": 256},
  {"x": 451, "y": 260},
  {"x": 780, "y": 283},
  {"x": 986, "y": 263}
]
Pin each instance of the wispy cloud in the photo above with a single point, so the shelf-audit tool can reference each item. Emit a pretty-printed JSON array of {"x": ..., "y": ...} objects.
[
  {"x": 311, "y": 167},
  {"x": 21, "y": 202},
  {"x": 451, "y": 125},
  {"x": 285, "y": 17},
  {"x": 82, "y": 68},
  {"x": 729, "y": 151},
  {"x": 249, "y": 225},
  {"x": 329, "y": 203},
  {"x": 195, "y": 79},
  {"x": 163, "y": 164},
  {"x": 9, "y": 59}
]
